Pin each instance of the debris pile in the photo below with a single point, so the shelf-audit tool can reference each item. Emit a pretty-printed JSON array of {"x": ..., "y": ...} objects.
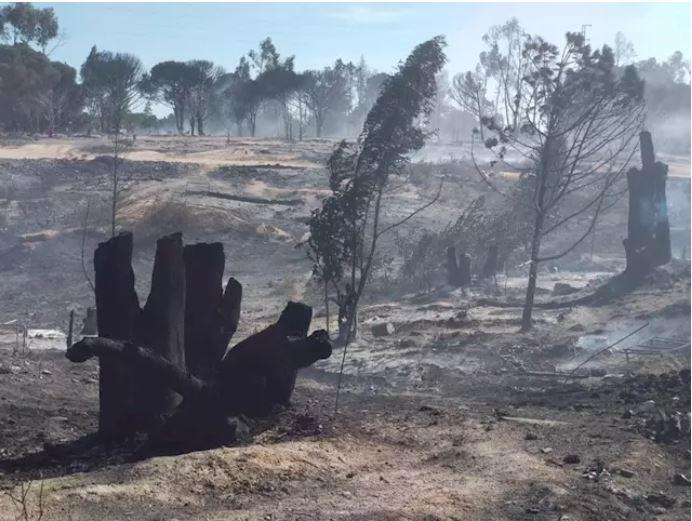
[{"x": 659, "y": 405}]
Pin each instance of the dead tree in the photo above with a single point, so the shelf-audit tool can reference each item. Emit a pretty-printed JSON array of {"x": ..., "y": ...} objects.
[
  {"x": 458, "y": 270},
  {"x": 211, "y": 314},
  {"x": 453, "y": 277},
  {"x": 648, "y": 233},
  {"x": 491, "y": 262},
  {"x": 465, "y": 269},
  {"x": 117, "y": 311},
  {"x": 172, "y": 350}
]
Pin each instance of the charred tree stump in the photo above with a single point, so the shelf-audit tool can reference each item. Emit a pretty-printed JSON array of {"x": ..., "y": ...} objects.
[
  {"x": 161, "y": 327},
  {"x": 648, "y": 233},
  {"x": 143, "y": 353},
  {"x": 117, "y": 312},
  {"x": 211, "y": 315}
]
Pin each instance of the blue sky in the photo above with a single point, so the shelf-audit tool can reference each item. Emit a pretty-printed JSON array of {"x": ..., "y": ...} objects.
[{"x": 317, "y": 34}]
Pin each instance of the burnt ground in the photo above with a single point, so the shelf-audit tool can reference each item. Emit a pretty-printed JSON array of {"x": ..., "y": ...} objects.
[{"x": 454, "y": 416}]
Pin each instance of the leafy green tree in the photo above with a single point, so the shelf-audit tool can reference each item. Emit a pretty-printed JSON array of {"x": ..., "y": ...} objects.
[
  {"x": 112, "y": 83},
  {"x": 328, "y": 91},
  {"x": 204, "y": 75},
  {"x": 146, "y": 120},
  {"x": 61, "y": 99},
  {"x": 240, "y": 97},
  {"x": 36, "y": 94},
  {"x": 344, "y": 233},
  {"x": 28, "y": 24},
  {"x": 266, "y": 58},
  {"x": 276, "y": 80},
  {"x": 170, "y": 82}
]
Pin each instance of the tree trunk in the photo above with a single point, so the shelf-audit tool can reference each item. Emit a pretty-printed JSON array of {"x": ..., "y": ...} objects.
[
  {"x": 533, "y": 273},
  {"x": 117, "y": 312},
  {"x": 192, "y": 126},
  {"x": 161, "y": 327},
  {"x": 648, "y": 232},
  {"x": 490, "y": 265},
  {"x": 465, "y": 270},
  {"x": 143, "y": 352},
  {"x": 318, "y": 126},
  {"x": 326, "y": 306},
  {"x": 453, "y": 277},
  {"x": 211, "y": 316}
]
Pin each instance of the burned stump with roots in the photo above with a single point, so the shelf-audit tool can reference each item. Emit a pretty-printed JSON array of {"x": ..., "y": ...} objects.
[{"x": 165, "y": 369}]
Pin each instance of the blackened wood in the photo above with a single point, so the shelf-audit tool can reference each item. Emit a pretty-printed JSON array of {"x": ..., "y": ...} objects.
[
  {"x": 295, "y": 319},
  {"x": 161, "y": 327},
  {"x": 648, "y": 233},
  {"x": 490, "y": 265},
  {"x": 452, "y": 267},
  {"x": 252, "y": 365},
  {"x": 383, "y": 329},
  {"x": 147, "y": 360},
  {"x": 229, "y": 313},
  {"x": 465, "y": 269},
  {"x": 204, "y": 266},
  {"x": 211, "y": 313},
  {"x": 117, "y": 311},
  {"x": 259, "y": 370}
]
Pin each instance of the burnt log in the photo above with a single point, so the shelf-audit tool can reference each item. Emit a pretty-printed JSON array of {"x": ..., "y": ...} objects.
[
  {"x": 247, "y": 384},
  {"x": 143, "y": 358},
  {"x": 383, "y": 329}
]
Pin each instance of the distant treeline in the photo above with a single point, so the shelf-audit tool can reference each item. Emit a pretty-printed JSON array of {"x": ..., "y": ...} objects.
[{"x": 263, "y": 96}]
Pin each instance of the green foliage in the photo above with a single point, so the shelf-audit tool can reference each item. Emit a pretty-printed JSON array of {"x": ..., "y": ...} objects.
[
  {"x": 344, "y": 231},
  {"x": 170, "y": 82},
  {"x": 111, "y": 84},
  {"x": 36, "y": 94},
  {"x": 328, "y": 91},
  {"x": 21, "y": 22}
]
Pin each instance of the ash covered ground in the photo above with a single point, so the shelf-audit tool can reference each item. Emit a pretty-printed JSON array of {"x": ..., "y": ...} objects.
[{"x": 455, "y": 415}]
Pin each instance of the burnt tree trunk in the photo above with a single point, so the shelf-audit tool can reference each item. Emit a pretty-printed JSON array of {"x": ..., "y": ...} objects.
[
  {"x": 453, "y": 277},
  {"x": 648, "y": 233},
  {"x": 211, "y": 315},
  {"x": 161, "y": 327},
  {"x": 491, "y": 261},
  {"x": 465, "y": 269},
  {"x": 174, "y": 347},
  {"x": 117, "y": 312}
]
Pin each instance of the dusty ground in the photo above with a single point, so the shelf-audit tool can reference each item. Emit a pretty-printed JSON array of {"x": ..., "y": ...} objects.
[{"x": 445, "y": 419}]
